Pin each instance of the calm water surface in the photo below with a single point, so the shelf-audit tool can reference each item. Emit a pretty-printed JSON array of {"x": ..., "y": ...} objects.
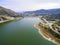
[{"x": 21, "y": 32}]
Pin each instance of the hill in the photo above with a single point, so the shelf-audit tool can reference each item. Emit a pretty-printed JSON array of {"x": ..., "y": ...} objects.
[
  {"x": 41, "y": 12},
  {"x": 5, "y": 11}
]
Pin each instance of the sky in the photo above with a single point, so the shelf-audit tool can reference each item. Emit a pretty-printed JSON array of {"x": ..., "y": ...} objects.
[{"x": 29, "y": 5}]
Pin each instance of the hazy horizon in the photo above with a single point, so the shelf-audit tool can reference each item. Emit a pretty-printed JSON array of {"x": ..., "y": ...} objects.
[{"x": 29, "y": 5}]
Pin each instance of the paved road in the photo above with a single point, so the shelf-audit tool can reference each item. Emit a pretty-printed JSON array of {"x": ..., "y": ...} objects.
[{"x": 50, "y": 25}]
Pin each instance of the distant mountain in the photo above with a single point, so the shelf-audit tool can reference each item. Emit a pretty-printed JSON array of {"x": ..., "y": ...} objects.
[
  {"x": 50, "y": 11},
  {"x": 42, "y": 12},
  {"x": 5, "y": 11}
]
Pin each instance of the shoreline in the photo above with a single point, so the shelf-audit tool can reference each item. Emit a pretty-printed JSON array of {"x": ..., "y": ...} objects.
[
  {"x": 49, "y": 39},
  {"x": 10, "y": 19},
  {"x": 5, "y": 21}
]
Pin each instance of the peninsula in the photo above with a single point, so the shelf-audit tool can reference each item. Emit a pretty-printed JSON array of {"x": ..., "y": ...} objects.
[{"x": 48, "y": 31}]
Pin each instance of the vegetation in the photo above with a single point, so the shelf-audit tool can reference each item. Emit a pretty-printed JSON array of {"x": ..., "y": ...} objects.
[
  {"x": 48, "y": 33},
  {"x": 47, "y": 29},
  {"x": 58, "y": 23},
  {"x": 8, "y": 12},
  {"x": 42, "y": 12},
  {"x": 7, "y": 15}
]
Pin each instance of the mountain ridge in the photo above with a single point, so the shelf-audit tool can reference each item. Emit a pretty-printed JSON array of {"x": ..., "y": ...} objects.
[
  {"x": 45, "y": 11},
  {"x": 9, "y": 12}
]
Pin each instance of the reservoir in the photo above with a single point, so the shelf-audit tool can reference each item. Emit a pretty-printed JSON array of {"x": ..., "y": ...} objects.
[{"x": 21, "y": 32}]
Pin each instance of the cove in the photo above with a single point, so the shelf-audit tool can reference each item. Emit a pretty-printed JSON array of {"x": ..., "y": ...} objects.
[{"x": 21, "y": 32}]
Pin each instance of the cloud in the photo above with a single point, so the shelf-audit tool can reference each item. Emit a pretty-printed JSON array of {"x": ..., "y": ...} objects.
[
  {"x": 47, "y": 5},
  {"x": 25, "y": 5}
]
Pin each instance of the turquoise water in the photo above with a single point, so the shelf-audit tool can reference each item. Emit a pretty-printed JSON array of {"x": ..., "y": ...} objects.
[{"x": 21, "y": 32}]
